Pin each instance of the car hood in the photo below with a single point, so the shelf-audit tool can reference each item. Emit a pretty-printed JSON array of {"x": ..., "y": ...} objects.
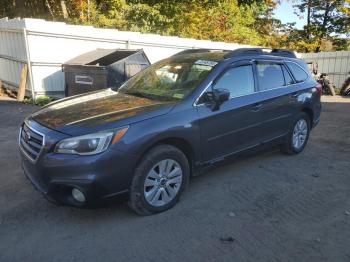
[{"x": 98, "y": 111}]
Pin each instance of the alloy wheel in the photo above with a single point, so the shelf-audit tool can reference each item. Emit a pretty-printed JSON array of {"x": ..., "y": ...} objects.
[
  {"x": 163, "y": 182},
  {"x": 300, "y": 133}
]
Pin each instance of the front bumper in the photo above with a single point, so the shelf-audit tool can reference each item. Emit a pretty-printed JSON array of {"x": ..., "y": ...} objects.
[{"x": 99, "y": 176}]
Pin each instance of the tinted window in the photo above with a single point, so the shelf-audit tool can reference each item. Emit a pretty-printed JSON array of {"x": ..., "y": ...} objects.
[
  {"x": 288, "y": 79},
  {"x": 270, "y": 76},
  {"x": 298, "y": 73},
  {"x": 239, "y": 81}
]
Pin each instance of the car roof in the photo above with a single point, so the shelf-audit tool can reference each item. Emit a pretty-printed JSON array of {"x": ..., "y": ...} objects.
[
  {"x": 218, "y": 55},
  {"x": 212, "y": 55}
]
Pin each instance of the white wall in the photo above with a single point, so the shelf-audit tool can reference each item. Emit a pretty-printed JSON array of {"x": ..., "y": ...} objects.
[
  {"x": 13, "y": 53},
  {"x": 49, "y": 44}
]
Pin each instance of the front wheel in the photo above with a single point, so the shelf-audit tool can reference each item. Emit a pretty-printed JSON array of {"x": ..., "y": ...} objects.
[
  {"x": 298, "y": 136},
  {"x": 159, "y": 180}
]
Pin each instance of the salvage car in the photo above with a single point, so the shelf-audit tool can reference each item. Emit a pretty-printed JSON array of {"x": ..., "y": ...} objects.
[{"x": 168, "y": 123}]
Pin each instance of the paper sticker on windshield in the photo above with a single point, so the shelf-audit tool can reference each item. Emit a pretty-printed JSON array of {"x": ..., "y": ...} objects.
[
  {"x": 180, "y": 96},
  {"x": 206, "y": 62}
]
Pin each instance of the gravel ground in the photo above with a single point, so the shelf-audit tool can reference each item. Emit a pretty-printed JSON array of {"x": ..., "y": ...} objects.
[{"x": 267, "y": 207}]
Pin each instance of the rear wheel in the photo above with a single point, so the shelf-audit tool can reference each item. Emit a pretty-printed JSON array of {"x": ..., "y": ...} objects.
[
  {"x": 159, "y": 180},
  {"x": 298, "y": 136}
]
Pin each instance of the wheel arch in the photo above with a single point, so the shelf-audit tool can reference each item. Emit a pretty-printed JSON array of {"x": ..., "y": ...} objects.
[
  {"x": 180, "y": 143},
  {"x": 310, "y": 113}
]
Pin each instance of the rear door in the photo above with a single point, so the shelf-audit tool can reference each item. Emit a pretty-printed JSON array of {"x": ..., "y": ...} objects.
[
  {"x": 236, "y": 125},
  {"x": 275, "y": 85}
]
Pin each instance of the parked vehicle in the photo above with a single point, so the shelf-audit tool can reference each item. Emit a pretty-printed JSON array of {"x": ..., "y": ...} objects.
[
  {"x": 345, "y": 89},
  {"x": 167, "y": 123},
  {"x": 327, "y": 85}
]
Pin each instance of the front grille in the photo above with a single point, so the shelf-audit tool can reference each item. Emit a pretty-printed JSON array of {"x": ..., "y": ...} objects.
[{"x": 31, "y": 142}]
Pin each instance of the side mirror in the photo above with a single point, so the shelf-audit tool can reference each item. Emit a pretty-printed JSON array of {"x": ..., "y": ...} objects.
[
  {"x": 207, "y": 98},
  {"x": 220, "y": 95},
  {"x": 215, "y": 98}
]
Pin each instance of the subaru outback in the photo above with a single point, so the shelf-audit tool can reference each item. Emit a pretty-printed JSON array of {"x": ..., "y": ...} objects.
[{"x": 168, "y": 123}]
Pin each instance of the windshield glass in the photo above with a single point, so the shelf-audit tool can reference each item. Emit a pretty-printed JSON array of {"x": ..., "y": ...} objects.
[{"x": 170, "y": 79}]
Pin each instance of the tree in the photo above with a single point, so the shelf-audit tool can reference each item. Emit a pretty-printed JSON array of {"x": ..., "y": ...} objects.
[
  {"x": 6, "y": 8},
  {"x": 223, "y": 20},
  {"x": 325, "y": 20}
]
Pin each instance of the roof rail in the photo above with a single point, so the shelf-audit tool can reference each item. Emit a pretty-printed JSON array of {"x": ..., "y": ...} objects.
[
  {"x": 199, "y": 50},
  {"x": 261, "y": 51}
]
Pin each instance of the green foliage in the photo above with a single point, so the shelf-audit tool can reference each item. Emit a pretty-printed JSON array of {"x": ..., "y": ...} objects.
[
  {"x": 326, "y": 22},
  {"x": 40, "y": 101}
]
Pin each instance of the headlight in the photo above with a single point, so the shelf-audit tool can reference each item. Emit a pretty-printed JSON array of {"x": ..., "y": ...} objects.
[{"x": 90, "y": 144}]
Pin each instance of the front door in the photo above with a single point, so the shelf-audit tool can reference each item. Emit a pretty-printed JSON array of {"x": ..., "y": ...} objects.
[{"x": 236, "y": 124}]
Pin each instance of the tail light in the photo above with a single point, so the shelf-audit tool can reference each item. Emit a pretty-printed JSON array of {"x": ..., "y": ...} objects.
[{"x": 319, "y": 88}]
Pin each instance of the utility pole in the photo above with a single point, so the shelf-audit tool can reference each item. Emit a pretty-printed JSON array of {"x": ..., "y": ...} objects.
[{"x": 64, "y": 9}]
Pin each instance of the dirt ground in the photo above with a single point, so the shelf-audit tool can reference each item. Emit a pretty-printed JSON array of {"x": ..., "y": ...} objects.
[{"x": 268, "y": 207}]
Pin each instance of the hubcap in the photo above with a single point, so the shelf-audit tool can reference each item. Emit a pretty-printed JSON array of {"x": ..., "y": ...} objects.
[
  {"x": 300, "y": 133},
  {"x": 163, "y": 182}
]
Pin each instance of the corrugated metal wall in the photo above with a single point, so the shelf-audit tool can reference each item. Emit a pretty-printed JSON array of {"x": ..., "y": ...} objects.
[
  {"x": 49, "y": 44},
  {"x": 13, "y": 53},
  {"x": 335, "y": 64}
]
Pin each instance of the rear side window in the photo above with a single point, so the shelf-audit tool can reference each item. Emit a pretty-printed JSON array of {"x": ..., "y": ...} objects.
[
  {"x": 270, "y": 76},
  {"x": 299, "y": 74},
  {"x": 238, "y": 80}
]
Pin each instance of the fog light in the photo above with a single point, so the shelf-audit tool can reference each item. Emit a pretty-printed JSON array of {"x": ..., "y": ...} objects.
[{"x": 78, "y": 195}]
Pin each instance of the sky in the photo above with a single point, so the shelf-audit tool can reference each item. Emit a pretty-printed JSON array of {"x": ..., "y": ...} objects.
[{"x": 285, "y": 13}]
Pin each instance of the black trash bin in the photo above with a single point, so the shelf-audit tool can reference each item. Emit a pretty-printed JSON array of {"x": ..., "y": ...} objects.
[{"x": 102, "y": 68}]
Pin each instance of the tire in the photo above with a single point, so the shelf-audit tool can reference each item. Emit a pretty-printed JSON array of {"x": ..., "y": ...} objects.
[
  {"x": 148, "y": 181},
  {"x": 347, "y": 92},
  {"x": 290, "y": 147},
  {"x": 345, "y": 87}
]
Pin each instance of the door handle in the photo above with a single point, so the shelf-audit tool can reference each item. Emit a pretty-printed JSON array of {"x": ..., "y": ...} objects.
[
  {"x": 294, "y": 95},
  {"x": 256, "y": 107}
]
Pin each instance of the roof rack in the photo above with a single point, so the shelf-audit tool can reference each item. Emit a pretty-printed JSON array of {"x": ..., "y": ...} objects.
[
  {"x": 261, "y": 51},
  {"x": 199, "y": 50}
]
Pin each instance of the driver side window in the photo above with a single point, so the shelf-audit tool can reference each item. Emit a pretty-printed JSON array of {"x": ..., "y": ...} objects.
[{"x": 238, "y": 80}]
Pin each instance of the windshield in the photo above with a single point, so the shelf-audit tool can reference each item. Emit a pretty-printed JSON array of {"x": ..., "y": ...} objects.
[{"x": 171, "y": 79}]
